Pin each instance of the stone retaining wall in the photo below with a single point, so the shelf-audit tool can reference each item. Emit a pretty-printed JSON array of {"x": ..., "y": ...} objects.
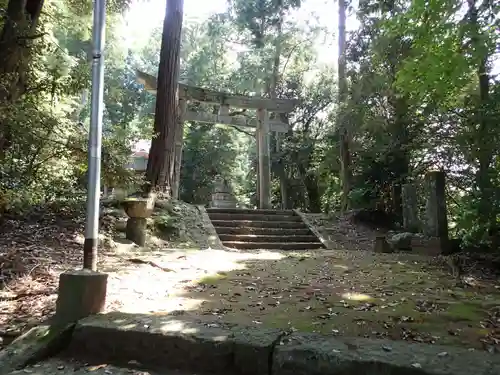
[{"x": 177, "y": 342}]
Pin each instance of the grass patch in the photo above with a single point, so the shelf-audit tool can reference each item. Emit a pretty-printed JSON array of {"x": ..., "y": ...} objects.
[
  {"x": 212, "y": 279},
  {"x": 465, "y": 312}
]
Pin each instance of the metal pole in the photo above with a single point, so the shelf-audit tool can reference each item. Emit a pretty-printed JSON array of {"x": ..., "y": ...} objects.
[{"x": 94, "y": 147}]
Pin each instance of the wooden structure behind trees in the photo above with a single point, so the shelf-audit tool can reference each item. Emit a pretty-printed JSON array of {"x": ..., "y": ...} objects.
[{"x": 262, "y": 123}]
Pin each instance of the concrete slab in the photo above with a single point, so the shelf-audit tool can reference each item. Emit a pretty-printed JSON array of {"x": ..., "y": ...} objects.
[
  {"x": 119, "y": 343},
  {"x": 312, "y": 354},
  {"x": 173, "y": 342}
]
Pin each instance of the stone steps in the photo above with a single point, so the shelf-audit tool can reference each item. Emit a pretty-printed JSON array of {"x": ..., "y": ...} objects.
[
  {"x": 252, "y": 217},
  {"x": 248, "y": 211},
  {"x": 263, "y": 231},
  {"x": 242, "y": 245},
  {"x": 256, "y": 224},
  {"x": 246, "y": 229},
  {"x": 265, "y": 238}
]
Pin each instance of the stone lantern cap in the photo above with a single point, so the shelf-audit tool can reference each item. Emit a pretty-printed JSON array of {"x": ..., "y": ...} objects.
[{"x": 139, "y": 207}]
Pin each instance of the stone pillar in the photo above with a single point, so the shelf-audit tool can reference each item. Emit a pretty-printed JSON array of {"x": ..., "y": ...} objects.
[
  {"x": 411, "y": 222},
  {"x": 264, "y": 159},
  {"x": 397, "y": 205},
  {"x": 436, "y": 223},
  {"x": 179, "y": 140},
  {"x": 257, "y": 185},
  {"x": 281, "y": 168}
]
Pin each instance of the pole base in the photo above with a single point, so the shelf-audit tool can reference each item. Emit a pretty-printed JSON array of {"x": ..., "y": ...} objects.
[{"x": 81, "y": 293}]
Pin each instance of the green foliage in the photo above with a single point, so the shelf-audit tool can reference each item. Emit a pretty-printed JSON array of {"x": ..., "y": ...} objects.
[
  {"x": 421, "y": 95},
  {"x": 49, "y": 126},
  {"x": 165, "y": 223}
]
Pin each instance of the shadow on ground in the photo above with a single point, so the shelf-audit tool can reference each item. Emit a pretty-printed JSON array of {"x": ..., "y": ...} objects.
[{"x": 399, "y": 297}]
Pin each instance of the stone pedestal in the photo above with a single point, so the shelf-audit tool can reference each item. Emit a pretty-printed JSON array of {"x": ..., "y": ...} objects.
[
  {"x": 427, "y": 246},
  {"x": 381, "y": 245},
  {"x": 138, "y": 210},
  {"x": 411, "y": 222},
  {"x": 397, "y": 204},
  {"x": 136, "y": 230},
  {"x": 81, "y": 293}
]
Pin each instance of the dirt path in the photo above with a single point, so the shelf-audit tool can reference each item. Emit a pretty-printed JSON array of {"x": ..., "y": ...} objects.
[
  {"x": 352, "y": 293},
  {"x": 333, "y": 292}
]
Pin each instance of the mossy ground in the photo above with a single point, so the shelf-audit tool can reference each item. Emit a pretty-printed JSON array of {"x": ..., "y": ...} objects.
[{"x": 331, "y": 292}]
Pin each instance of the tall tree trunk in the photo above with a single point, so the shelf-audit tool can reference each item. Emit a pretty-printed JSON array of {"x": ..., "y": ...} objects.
[
  {"x": 20, "y": 22},
  {"x": 484, "y": 144},
  {"x": 160, "y": 172},
  {"x": 483, "y": 180},
  {"x": 345, "y": 153}
]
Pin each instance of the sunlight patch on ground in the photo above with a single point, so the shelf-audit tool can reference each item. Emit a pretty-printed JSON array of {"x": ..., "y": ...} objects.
[
  {"x": 357, "y": 296},
  {"x": 349, "y": 293},
  {"x": 177, "y": 326},
  {"x": 145, "y": 288},
  {"x": 340, "y": 266}
]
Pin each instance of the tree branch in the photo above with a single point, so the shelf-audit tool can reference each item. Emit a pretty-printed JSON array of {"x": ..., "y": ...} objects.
[
  {"x": 31, "y": 37},
  {"x": 242, "y": 131}
]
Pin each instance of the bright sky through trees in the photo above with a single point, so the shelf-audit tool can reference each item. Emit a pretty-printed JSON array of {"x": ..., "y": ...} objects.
[{"x": 143, "y": 16}]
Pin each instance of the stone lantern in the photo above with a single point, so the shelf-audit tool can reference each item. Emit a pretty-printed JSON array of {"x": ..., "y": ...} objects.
[{"x": 138, "y": 210}]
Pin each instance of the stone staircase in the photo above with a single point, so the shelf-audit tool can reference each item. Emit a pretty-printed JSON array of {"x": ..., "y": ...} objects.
[{"x": 246, "y": 229}]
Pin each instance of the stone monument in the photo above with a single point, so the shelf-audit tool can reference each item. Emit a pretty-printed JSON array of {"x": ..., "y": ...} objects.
[{"x": 222, "y": 196}]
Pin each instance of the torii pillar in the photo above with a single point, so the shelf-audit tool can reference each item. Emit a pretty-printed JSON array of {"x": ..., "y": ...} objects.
[{"x": 264, "y": 169}]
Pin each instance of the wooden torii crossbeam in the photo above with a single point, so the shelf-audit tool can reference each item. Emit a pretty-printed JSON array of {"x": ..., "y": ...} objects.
[{"x": 262, "y": 123}]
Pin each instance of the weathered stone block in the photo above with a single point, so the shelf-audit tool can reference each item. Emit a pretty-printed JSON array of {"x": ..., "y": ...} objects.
[
  {"x": 160, "y": 342},
  {"x": 381, "y": 245},
  {"x": 401, "y": 241},
  {"x": 411, "y": 222},
  {"x": 311, "y": 354},
  {"x": 81, "y": 293},
  {"x": 427, "y": 246},
  {"x": 252, "y": 349},
  {"x": 436, "y": 212}
]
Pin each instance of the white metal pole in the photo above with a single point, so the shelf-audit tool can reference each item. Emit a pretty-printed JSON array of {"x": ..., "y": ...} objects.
[{"x": 95, "y": 135}]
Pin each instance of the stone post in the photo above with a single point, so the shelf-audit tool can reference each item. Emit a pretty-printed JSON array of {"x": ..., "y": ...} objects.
[
  {"x": 411, "y": 222},
  {"x": 179, "y": 140},
  {"x": 222, "y": 196},
  {"x": 436, "y": 223},
  {"x": 257, "y": 185},
  {"x": 397, "y": 205},
  {"x": 81, "y": 293},
  {"x": 264, "y": 159},
  {"x": 281, "y": 168}
]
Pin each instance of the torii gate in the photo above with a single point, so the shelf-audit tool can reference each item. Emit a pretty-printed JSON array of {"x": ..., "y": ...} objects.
[{"x": 262, "y": 124}]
